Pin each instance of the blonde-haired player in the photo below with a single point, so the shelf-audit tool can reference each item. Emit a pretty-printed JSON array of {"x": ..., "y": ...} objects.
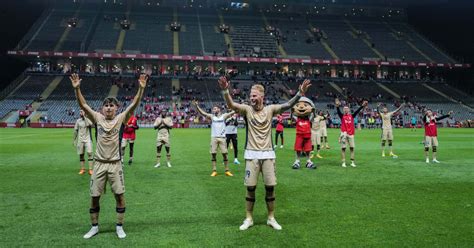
[
  {"x": 387, "y": 131},
  {"x": 259, "y": 154},
  {"x": 107, "y": 163},
  {"x": 217, "y": 136}
]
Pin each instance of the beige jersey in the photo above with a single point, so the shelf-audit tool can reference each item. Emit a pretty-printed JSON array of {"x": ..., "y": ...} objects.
[
  {"x": 259, "y": 126},
  {"x": 82, "y": 128},
  {"x": 317, "y": 123},
  {"x": 163, "y": 125},
  {"x": 386, "y": 120},
  {"x": 108, "y": 137}
]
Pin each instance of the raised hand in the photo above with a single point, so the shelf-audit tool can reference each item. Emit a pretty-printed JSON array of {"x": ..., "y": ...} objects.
[
  {"x": 195, "y": 102},
  {"x": 142, "y": 80},
  {"x": 337, "y": 102},
  {"x": 364, "y": 103},
  {"x": 75, "y": 80},
  {"x": 450, "y": 112},
  {"x": 224, "y": 83},
  {"x": 305, "y": 85}
]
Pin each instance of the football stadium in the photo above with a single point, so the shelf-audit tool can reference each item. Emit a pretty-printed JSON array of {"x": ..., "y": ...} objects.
[{"x": 222, "y": 123}]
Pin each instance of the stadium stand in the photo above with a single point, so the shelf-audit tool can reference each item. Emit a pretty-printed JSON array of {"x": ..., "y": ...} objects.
[{"x": 252, "y": 33}]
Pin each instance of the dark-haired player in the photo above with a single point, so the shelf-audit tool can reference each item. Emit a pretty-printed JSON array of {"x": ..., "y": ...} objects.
[
  {"x": 107, "y": 164},
  {"x": 217, "y": 136}
]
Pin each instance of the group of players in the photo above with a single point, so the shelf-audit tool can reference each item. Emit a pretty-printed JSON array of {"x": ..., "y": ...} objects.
[{"x": 259, "y": 154}]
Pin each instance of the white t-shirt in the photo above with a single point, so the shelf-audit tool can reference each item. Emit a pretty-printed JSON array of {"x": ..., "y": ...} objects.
[
  {"x": 218, "y": 126},
  {"x": 231, "y": 128}
]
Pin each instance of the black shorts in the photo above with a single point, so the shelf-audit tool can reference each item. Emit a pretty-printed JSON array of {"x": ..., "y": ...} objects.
[{"x": 231, "y": 136}]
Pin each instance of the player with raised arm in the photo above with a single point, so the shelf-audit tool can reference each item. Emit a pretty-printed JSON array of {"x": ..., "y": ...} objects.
[
  {"x": 163, "y": 123},
  {"x": 323, "y": 130},
  {"x": 129, "y": 137},
  {"x": 217, "y": 136},
  {"x": 83, "y": 141},
  {"x": 347, "y": 130},
  {"x": 431, "y": 133},
  {"x": 387, "y": 131},
  {"x": 231, "y": 126},
  {"x": 107, "y": 164},
  {"x": 317, "y": 121},
  {"x": 259, "y": 154}
]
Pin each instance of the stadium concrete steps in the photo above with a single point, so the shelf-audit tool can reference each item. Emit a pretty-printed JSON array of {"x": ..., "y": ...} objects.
[
  {"x": 54, "y": 83},
  {"x": 325, "y": 44},
  {"x": 38, "y": 30},
  {"x": 391, "y": 92},
  {"x": 175, "y": 34},
  {"x": 14, "y": 86},
  {"x": 446, "y": 96},
  {"x": 368, "y": 43},
  {"x": 66, "y": 31},
  {"x": 336, "y": 87},
  {"x": 123, "y": 33},
  {"x": 279, "y": 46},
  {"x": 409, "y": 43},
  {"x": 11, "y": 117},
  {"x": 430, "y": 44},
  {"x": 113, "y": 91},
  {"x": 35, "y": 116},
  {"x": 175, "y": 83},
  {"x": 228, "y": 40},
  {"x": 419, "y": 51}
]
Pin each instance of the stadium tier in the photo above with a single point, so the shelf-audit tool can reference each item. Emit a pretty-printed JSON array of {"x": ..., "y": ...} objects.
[
  {"x": 175, "y": 96},
  {"x": 100, "y": 28}
]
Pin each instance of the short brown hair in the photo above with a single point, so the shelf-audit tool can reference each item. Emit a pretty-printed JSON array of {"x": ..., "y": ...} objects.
[
  {"x": 112, "y": 100},
  {"x": 259, "y": 88}
]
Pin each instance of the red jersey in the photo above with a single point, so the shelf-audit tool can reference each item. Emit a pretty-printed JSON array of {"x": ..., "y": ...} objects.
[
  {"x": 430, "y": 125},
  {"x": 279, "y": 126},
  {"x": 129, "y": 130},
  {"x": 303, "y": 126},
  {"x": 347, "y": 121},
  {"x": 347, "y": 124}
]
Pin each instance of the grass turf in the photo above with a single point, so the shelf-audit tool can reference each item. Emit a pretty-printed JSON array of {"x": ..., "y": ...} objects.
[{"x": 384, "y": 202}]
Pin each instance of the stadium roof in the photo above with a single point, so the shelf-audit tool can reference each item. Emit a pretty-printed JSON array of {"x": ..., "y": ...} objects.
[{"x": 391, "y": 3}]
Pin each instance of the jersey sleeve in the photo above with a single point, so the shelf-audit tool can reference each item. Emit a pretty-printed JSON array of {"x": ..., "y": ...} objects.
[
  {"x": 95, "y": 117},
  {"x": 242, "y": 109},
  {"x": 275, "y": 109},
  {"x": 168, "y": 122},
  {"x": 155, "y": 124}
]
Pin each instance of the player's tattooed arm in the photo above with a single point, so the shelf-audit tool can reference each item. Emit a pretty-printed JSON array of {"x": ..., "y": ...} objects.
[
  {"x": 224, "y": 84},
  {"x": 200, "y": 110},
  {"x": 142, "y": 80},
  {"x": 301, "y": 91},
  {"x": 76, "y": 84},
  {"x": 399, "y": 108}
]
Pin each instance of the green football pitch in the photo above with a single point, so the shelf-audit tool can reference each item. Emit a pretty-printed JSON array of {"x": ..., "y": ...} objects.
[{"x": 384, "y": 202}]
